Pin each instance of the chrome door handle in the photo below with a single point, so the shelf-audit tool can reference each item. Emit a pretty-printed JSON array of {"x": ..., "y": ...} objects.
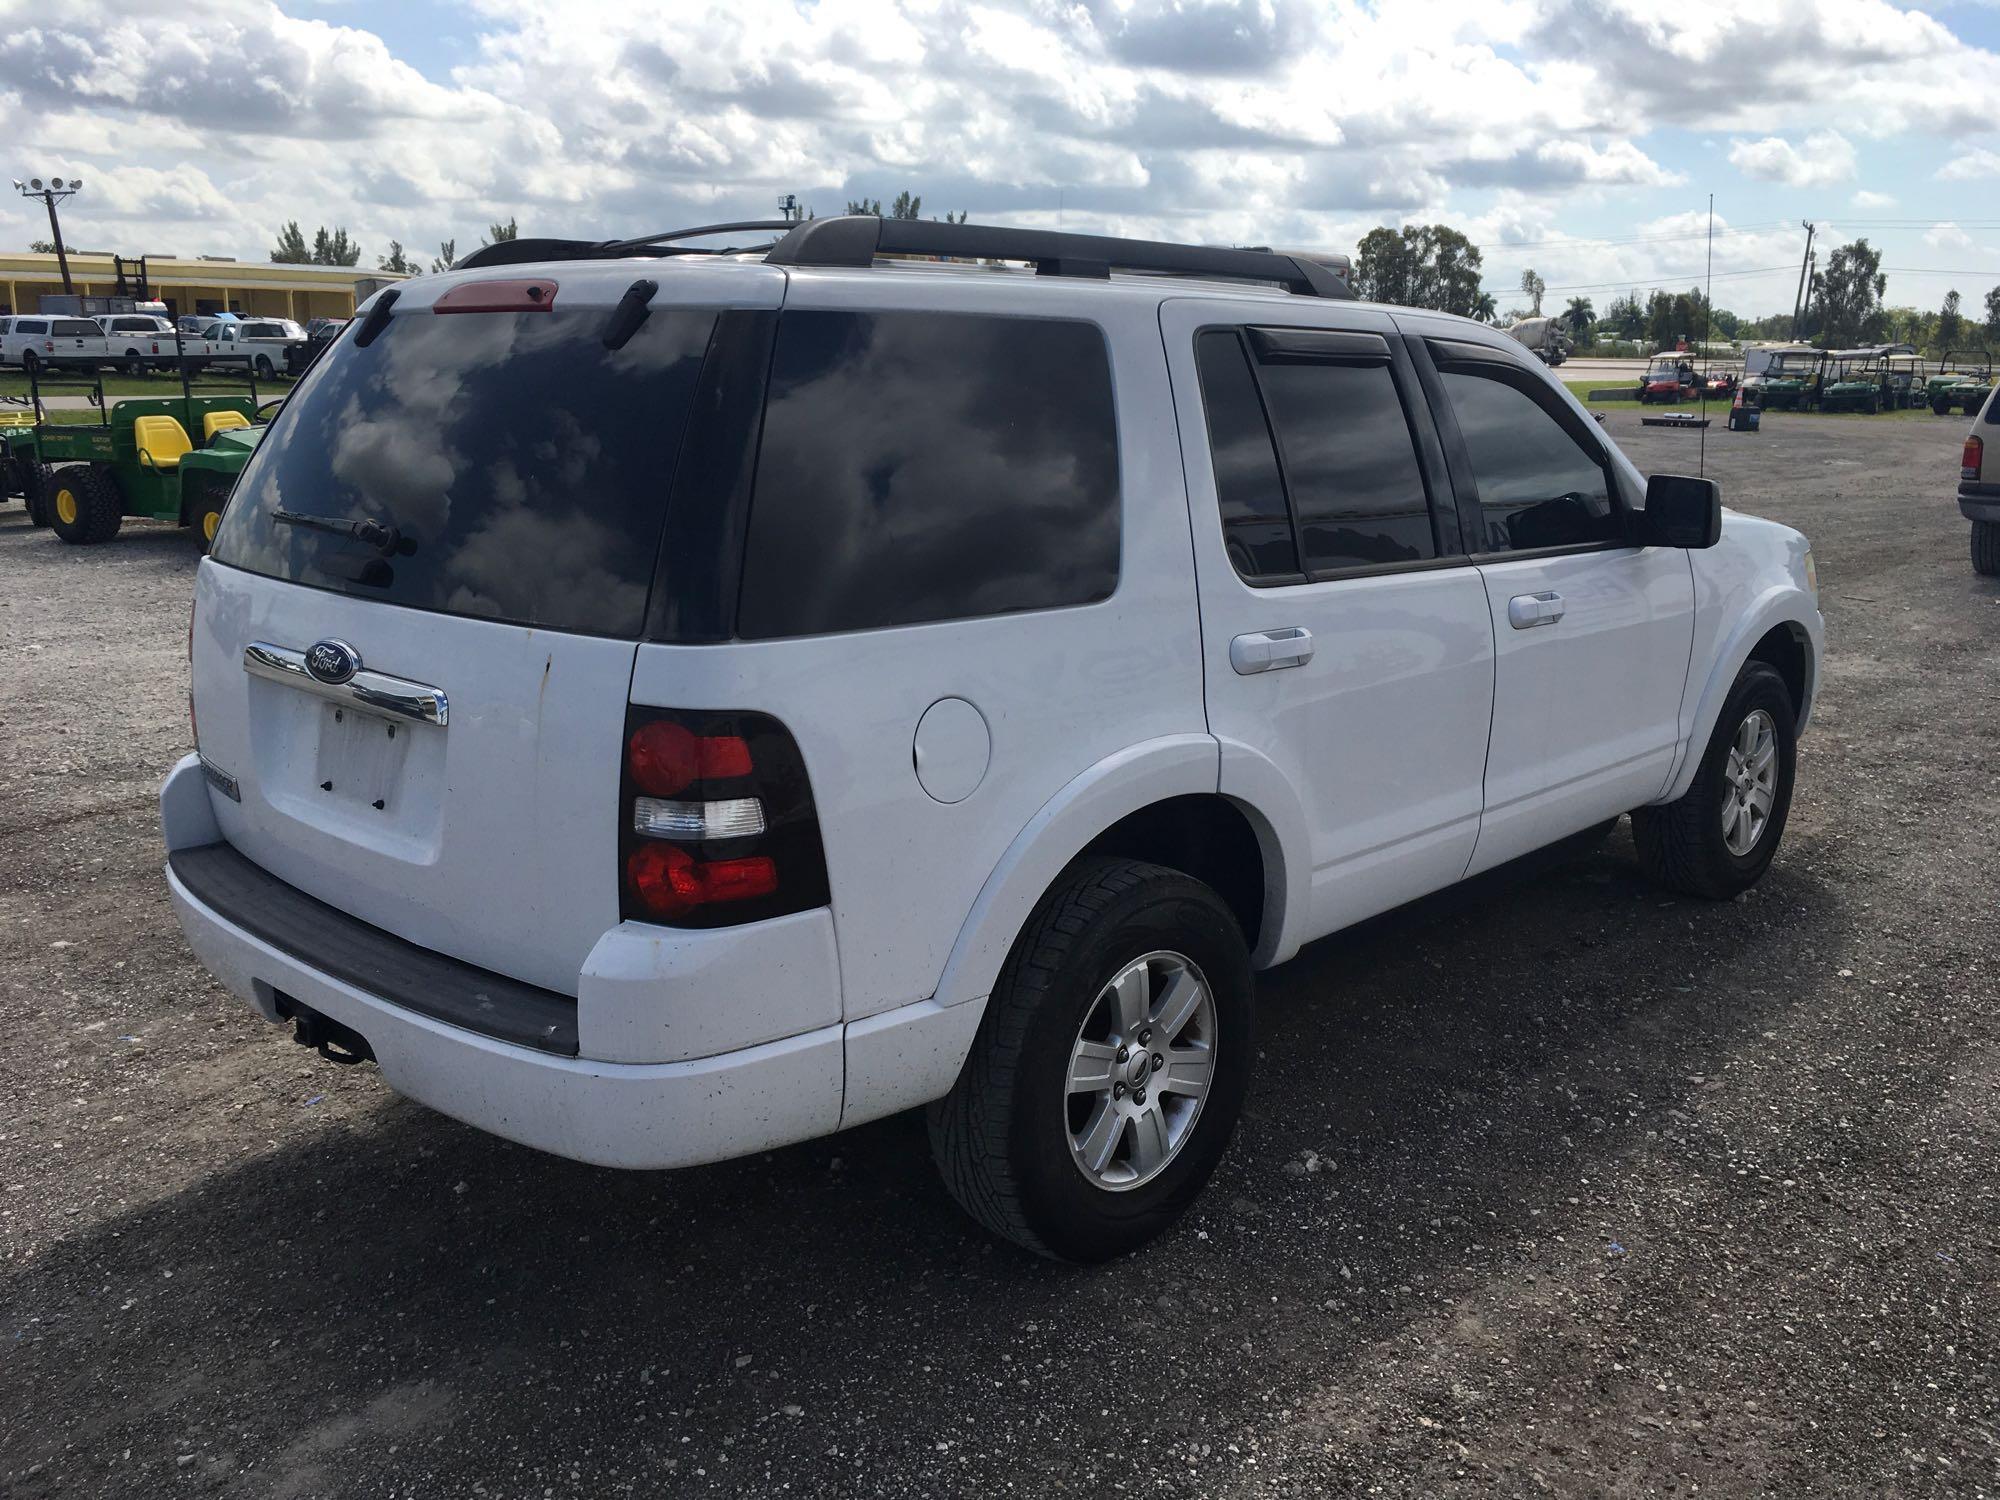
[
  {"x": 1268, "y": 650},
  {"x": 1526, "y": 611}
]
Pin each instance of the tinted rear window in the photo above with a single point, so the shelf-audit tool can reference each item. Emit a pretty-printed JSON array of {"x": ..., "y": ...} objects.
[
  {"x": 524, "y": 466},
  {"x": 74, "y": 328},
  {"x": 930, "y": 466}
]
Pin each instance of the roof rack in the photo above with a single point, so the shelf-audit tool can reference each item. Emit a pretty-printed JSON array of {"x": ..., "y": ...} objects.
[
  {"x": 520, "y": 252},
  {"x": 856, "y": 239}
]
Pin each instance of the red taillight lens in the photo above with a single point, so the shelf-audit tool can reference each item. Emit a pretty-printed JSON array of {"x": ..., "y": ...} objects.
[
  {"x": 538, "y": 295},
  {"x": 716, "y": 823},
  {"x": 671, "y": 882},
  {"x": 664, "y": 757},
  {"x": 1974, "y": 456}
]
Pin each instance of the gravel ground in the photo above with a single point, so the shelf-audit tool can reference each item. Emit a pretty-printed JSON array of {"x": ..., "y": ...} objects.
[{"x": 1553, "y": 1184}]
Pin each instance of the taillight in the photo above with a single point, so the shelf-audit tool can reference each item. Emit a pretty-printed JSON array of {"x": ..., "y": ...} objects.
[
  {"x": 1974, "y": 456},
  {"x": 716, "y": 820}
]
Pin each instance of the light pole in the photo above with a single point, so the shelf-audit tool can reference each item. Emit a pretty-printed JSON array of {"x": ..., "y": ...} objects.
[{"x": 49, "y": 192}]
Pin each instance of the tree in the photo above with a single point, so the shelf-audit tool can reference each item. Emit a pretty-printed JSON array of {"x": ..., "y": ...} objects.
[
  {"x": 395, "y": 260},
  {"x": 1421, "y": 265},
  {"x": 906, "y": 206},
  {"x": 291, "y": 247},
  {"x": 1993, "y": 313},
  {"x": 42, "y": 247},
  {"x": 1847, "y": 295},
  {"x": 1580, "y": 314},
  {"x": 499, "y": 234},
  {"x": 1534, "y": 286},
  {"x": 1950, "y": 322},
  {"x": 1625, "y": 316},
  {"x": 334, "y": 249},
  {"x": 865, "y": 206},
  {"x": 447, "y": 253}
]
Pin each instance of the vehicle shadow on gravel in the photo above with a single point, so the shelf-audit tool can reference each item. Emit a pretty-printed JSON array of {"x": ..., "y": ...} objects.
[{"x": 1425, "y": 1085}]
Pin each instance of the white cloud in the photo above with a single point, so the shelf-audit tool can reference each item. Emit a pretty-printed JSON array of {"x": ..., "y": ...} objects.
[
  {"x": 1947, "y": 237},
  {"x": 1825, "y": 157},
  {"x": 1532, "y": 122},
  {"x": 1978, "y": 162}
]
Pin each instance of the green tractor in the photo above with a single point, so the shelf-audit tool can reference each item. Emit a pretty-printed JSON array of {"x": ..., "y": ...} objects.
[
  {"x": 1964, "y": 378},
  {"x": 170, "y": 458}
]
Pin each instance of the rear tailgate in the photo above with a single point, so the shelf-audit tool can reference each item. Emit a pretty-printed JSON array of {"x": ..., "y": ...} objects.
[{"x": 464, "y": 514}]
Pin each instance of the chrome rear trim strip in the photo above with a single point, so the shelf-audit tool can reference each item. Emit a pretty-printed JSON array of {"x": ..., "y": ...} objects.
[{"x": 371, "y": 690}]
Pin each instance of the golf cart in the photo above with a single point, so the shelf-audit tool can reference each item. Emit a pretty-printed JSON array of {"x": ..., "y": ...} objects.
[
  {"x": 1858, "y": 379},
  {"x": 1791, "y": 381},
  {"x": 1963, "y": 378},
  {"x": 1670, "y": 377},
  {"x": 169, "y": 458}
]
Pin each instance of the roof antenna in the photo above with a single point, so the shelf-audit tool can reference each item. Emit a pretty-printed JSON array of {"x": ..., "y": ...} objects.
[{"x": 1707, "y": 317}]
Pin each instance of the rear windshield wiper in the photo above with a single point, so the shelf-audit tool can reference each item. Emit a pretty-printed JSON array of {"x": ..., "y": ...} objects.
[{"x": 384, "y": 539}]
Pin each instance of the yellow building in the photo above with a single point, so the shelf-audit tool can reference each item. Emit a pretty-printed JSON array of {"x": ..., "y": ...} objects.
[{"x": 198, "y": 285}]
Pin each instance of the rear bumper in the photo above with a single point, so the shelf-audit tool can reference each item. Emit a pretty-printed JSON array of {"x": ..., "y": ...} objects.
[
  {"x": 607, "y": 1111},
  {"x": 1979, "y": 502}
]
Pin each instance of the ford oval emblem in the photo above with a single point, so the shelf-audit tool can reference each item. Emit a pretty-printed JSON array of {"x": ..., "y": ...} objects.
[{"x": 333, "y": 662}]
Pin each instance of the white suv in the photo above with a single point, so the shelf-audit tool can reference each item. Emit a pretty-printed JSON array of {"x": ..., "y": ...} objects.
[{"x": 664, "y": 708}]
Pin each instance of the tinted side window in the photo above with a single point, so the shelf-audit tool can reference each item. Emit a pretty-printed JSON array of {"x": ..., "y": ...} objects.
[
  {"x": 1538, "y": 487},
  {"x": 1351, "y": 462},
  {"x": 78, "y": 328},
  {"x": 930, "y": 466},
  {"x": 1256, "y": 525}
]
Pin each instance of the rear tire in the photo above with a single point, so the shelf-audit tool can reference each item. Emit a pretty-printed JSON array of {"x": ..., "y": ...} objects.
[
  {"x": 1940, "y": 408},
  {"x": 1986, "y": 548},
  {"x": 1013, "y": 1137},
  {"x": 36, "y": 478},
  {"x": 1694, "y": 845},
  {"x": 265, "y": 369},
  {"x": 87, "y": 507},
  {"x": 205, "y": 509},
  {"x": 133, "y": 365}
]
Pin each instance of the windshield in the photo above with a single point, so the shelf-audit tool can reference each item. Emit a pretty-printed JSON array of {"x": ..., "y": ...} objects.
[{"x": 503, "y": 465}]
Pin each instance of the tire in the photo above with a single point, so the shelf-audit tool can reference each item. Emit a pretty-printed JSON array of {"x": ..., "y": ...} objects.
[
  {"x": 36, "y": 479},
  {"x": 205, "y": 507},
  {"x": 132, "y": 364},
  {"x": 1007, "y": 1149},
  {"x": 1940, "y": 408},
  {"x": 30, "y": 361},
  {"x": 265, "y": 369},
  {"x": 1683, "y": 844},
  {"x": 85, "y": 507},
  {"x": 1986, "y": 548}
]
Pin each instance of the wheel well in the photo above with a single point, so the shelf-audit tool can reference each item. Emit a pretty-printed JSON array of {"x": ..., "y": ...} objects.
[
  {"x": 1783, "y": 649},
  {"x": 1205, "y": 836}
]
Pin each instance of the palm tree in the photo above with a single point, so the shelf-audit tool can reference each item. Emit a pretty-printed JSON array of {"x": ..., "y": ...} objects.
[{"x": 1580, "y": 314}]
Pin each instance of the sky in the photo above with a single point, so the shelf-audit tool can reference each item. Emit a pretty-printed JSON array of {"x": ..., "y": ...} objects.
[{"x": 1578, "y": 138}]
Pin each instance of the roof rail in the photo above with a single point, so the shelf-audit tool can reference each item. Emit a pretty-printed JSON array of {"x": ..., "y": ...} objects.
[
  {"x": 519, "y": 252},
  {"x": 856, "y": 239}
]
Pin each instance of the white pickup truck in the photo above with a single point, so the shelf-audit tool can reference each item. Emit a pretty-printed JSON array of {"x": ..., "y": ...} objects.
[
  {"x": 136, "y": 342},
  {"x": 256, "y": 343}
]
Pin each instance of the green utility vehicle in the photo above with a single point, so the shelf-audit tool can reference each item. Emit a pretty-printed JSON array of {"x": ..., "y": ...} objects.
[
  {"x": 1963, "y": 379},
  {"x": 1791, "y": 381},
  {"x": 171, "y": 458},
  {"x": 1860, "y": 380}
]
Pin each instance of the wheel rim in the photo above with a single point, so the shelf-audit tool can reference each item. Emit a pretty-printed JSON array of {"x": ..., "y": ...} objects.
[
  {"x": 210, "y": 523},
  {"x": 1752, "y": 782},
  {"x": 66, "y": 507},
  {"x": 1140, "y": 1071}
]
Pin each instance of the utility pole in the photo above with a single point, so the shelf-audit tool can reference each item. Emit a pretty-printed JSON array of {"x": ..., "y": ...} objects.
[
  {"x": 1798, "y": 301},
  {"x": 49, "y": 192}
]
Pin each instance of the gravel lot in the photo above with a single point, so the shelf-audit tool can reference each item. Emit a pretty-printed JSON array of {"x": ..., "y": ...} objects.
[{"x": 1549, "y": 1185}]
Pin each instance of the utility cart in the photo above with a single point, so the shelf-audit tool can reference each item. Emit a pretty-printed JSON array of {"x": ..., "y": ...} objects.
[
  {"x": 1963, "y": 379},
  {"x": 169, "y": 458}
]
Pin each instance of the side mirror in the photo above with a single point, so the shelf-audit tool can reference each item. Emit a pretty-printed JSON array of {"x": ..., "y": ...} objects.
[{"x": 1681, "y": 511}]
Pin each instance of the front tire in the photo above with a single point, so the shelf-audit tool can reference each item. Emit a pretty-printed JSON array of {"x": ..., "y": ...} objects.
[
  {"x": 86, "y": 506},
  {"x": 1109, "y": 1068},
  {"x": 1986, "y": 548},
  {"x": 265, "y": 369},
  {"x": 1720, "y": 836}
]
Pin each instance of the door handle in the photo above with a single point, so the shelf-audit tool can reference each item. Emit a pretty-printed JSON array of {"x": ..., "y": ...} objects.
[
  {"x": 1268, "y": 650},
  {"x": 1526, "y": 611}
]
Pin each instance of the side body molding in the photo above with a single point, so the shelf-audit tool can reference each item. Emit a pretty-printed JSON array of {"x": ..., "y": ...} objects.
[{"x": 1172, "y": 766}]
